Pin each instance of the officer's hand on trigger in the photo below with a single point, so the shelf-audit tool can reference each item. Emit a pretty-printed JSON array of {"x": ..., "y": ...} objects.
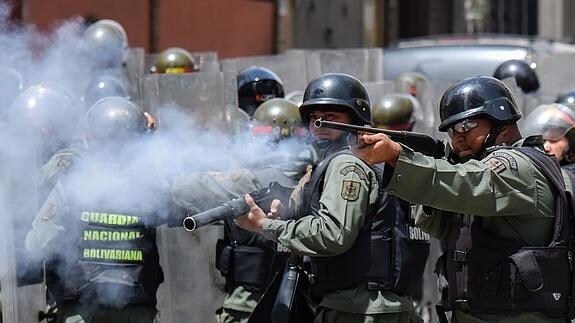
[
  {"x": 377, "y": 148},
  {"x": 253, "y": 220},
  {"x": 275, "y": 209}
]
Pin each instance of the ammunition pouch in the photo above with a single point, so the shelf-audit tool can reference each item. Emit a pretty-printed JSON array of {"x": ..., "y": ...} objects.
[
  {"x": 531, "y": 279},
  {"x": 246, "y": 266}
]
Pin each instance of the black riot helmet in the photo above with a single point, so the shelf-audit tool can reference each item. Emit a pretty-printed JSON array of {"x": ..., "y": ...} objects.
[
  {"x": 256, "y": 85},
  {"x": 104, "y": 86},
  {"x": 478, "y": 96},
  {"x": 524, "y": 75},
  {"x": 105, "y": 43},
  {"x": 337, "y": 91},
  {"x": 568, "y": 97},
  {"x": 112, "y": 121}
]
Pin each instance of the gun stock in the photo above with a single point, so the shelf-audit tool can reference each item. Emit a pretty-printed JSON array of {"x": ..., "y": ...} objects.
[
  {"x": 416, "y": 141},
  {"x": 234, "y": 208}
]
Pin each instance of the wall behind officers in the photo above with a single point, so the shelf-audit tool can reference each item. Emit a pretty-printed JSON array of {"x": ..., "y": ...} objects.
[
  {"x": 96, "y": 230},
  {"x": 337, "y": 219},
  {"x": 249, "y": 261},
  {"x": 493, "y": 202}
]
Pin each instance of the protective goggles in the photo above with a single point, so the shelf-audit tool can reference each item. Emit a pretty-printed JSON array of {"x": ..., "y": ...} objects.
[{"x": 462, "y": 127}]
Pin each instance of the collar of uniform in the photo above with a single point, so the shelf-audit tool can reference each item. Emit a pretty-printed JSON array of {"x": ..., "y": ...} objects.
[{"x": 529, "y": 141}]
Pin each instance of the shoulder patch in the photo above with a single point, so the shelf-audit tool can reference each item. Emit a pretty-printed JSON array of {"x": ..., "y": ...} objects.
[
  {"x": 508, "y": 157},
  {"x": 495, "y": 164},
  {"x": 350, "y": 190},
  {"x": 354, "y": 169},
  {"x": 49, "y": 212}
]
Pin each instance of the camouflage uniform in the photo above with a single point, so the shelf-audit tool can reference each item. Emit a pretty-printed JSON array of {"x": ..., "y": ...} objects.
[{"x": 196, "y": 192}]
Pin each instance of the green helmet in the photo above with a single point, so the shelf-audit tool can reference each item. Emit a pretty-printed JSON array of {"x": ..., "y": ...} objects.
[
  {"x": 114, "y": 120},
  {"x": 174, "y": 60},
  {"x": 278, "y": 118},
  {"x": 412, "y": 83},
  {"x": 105, "y": 43},
  {"x": 396, "y": 110}
]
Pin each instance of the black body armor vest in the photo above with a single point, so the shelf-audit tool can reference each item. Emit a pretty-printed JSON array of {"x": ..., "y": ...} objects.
[
  {"x": 490, "y": 274},
  {"x": 109, "y": 254},
  {"x": 248, "y": 259},
  {"x": 389, "y": 253}
]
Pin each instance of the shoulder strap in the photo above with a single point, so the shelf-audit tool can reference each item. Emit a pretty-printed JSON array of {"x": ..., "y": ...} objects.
[
  {"x": 550, "y": 168},
  {"x": 315, "y": 185}
]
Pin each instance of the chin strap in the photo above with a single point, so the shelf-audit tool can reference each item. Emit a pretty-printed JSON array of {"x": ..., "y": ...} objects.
[
  {"x": 488, "y": 142},
  {"x": 329, "y": 147}
]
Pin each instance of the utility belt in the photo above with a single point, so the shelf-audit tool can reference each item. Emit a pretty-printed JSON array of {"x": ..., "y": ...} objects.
[
  {"x": 319, "y": 289},
  {"x": 248, "y": 266},
  {"x": 530, "y": 279}
]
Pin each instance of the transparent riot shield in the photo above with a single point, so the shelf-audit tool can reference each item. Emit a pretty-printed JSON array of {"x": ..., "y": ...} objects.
[
  {"x": 430, "y": 98},
  {"x": 134, "y": 70},
  {"x": 236, "y": 118},
  {"x": 19, "y": 205},
  {"x": 290, "y": 67},
  {"x": 376, "y": 90},
  {"x": 364, "y": 63},
  {"x": 555, "y": 73},
  {"x": 199, "y": 95},
  {"x": 192, "y": 288},
  {"x": 522, "y": 99},
  {"x": 206, "y": 61}
]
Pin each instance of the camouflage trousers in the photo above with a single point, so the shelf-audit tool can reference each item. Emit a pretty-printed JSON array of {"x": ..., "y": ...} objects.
[
  {"x": 76, "y": 313},
  {"x": 225, "y": 315},
  {"x": 327, "y": 315}
]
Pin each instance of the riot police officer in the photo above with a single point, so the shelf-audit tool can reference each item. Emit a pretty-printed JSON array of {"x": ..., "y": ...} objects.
[
  {"x": 54, "y": 113},
  {"x": 567, "y": 97},
  {"x": 524, "y": 74},
  {"x": 338, "y": 222},
  {"x": 104, "y": 86},
  {"x": 395, "y": 111},
  {"x": 256, "y": 85},
  {"x": 412, "y": 83},
  {"x": 105, "y": 43},
  {"x": 96, "y": 230},
  {"x": 174, "y": 60},
  {"x": 496, "y": 217},
  {"x": 556, "y": 123},
  {"x": 249, "y": 261}
]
